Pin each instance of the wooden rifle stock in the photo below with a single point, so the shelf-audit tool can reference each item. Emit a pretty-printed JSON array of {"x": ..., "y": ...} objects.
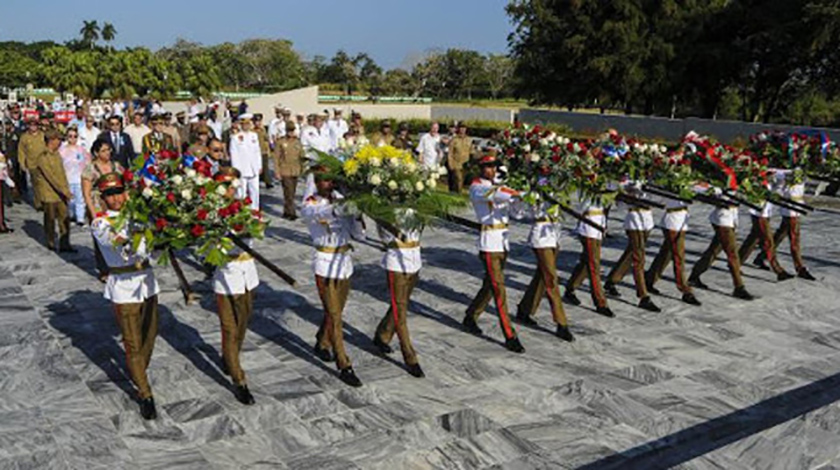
[
  {"x": 655, "y": 190},
  {"x": 268, "y": 264},
  {"x": 580, "y": 217}
]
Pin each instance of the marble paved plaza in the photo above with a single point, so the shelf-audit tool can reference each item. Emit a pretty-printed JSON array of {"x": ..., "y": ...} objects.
[{"x": 731, "y": 385}]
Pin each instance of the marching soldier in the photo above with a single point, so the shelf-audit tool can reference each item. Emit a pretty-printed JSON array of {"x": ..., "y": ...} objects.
[
  {"x": 54, "y": 192},
  {"x": 288, "y": 163},
  {"x": 30, "y": 148},
  {"x": 544, "y": 239},
  {"x": 674, "y": 224},
  {"x": 789, "y": 227},
  {"x": 460, "y": 151},
  {"x": 331, "y": 229},
  {"x": 132, "y": 288},
  {"x": 637, "y": 224},
  {"x": 403, "y": 139},
  {"x": 589, "y": 264},
  {"x": 760, "y": 234},
  {"x": 402, "y": 262},
  {"x": 265, "y": 149},
  {"x": 724, "y": 220},
  {"x": 234, "y": 285},
  {"x": 157, "y": 140},
  {"x": 384, "y": 136},
  {"x": 491, "y": 202}
]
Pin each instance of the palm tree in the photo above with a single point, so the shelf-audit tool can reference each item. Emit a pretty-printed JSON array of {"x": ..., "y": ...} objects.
[
  {"x": 89, "y": 32},
  {"x": 109, "y": 32}
]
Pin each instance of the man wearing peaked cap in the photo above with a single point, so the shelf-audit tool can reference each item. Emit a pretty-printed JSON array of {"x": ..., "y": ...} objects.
[
  {"x": 460, "y": 151},
  {"x": 337, "y": 127},
  {"x": 491, "y": 202},
  {"x": 384, "y": 137},
  {"x": 54, "y": 191},
  {"x": 288, "y": 163},
  {"x": 158, "y": 140},
  {"x": 265, "y": 149},
  {"x": 131, "y": 287},
  {"x": 246, "y": 156}
]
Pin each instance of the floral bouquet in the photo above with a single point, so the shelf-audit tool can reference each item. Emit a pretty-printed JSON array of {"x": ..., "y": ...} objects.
[
  {"x": 384, "y": 183},
  {"x": 174, "y": 203}
]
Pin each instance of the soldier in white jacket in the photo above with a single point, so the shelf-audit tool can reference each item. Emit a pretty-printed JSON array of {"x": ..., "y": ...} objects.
[
  {"x": 131, "y": 287},
  {"x": 589, "y": 264},
  {"x": 246, "y": 156},
  {"x": 674, "y": 225},
  {"x": 491, "y": 202},
  {"x": 331, "y": 229}
]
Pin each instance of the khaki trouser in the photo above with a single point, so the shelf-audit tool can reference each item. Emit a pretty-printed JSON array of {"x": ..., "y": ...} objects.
[
  {"x": 456, "y": 180},
  {"x": 234, "y": 314},
  {"x": 493, "y": 287},
  {"x": 333, "y": 293},
  {"x": 56, "y": 211},
  {"x": 633, "y": 256},
  {"x": 544, "y": 283},
  {"x": 400, "y": 286},
  {"x": 266, "y": 174},
  {"x": 672, "y": 249},
  {"x": 724, "y": 240},
  {"x": 138, "y": 324},
  {"x": 790, "y": 229},
  {"x": 289, "y": 188},
  {"x": 760, "y": 233},
  {"x": 589, "y": 265}
]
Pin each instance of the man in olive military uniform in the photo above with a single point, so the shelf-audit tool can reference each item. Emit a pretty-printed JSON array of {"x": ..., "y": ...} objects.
[
  {"x": 384, "y": 136},
  {"x": 403, "y": 139},
  {"x": 29, "y": 150},
  {"x": 460, "y": 150},
  {"x": 54, "y": 191},
  {"x": 288, "y": 155},
  {"x": 157, "y": 140},
  {"x": 183, "y": 128},
  {"x": 265, "y": 149},
  {"x": 172, "y": 130}
]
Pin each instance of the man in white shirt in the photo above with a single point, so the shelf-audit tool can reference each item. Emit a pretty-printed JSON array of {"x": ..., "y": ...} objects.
[
  {"x": 137, "y": 130},
  {"x": 337, "y": 127},
  {"x": 316, "y": 137},
  {"x": 276, "y": 127},
  {"x": 246, "y": 156},
  {"x": 429, "y": 149},
  {"x": 88, "y": 134}
]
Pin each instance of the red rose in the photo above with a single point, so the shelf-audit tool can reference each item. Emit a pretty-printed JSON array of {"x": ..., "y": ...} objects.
[
  {"x": 686, "y": 161},
  {"x": 238, "y": 227},
  {"x": 202, "y": 193},
  {"x": 197, "y": 230},
  {"x": 247, "y": 201},
  {"x": 537, "y": 129},
  {"x": 555, "y": 158},
  {"x": 201, "y": 214},
  {"x": 128, "y": 176},
  {"x": 223, "y": 212},
  {"x": 171, "y": 198},
  {"x": 167, "y": 154},
  {"x": 152, "y": 170},
  {"x": 160, "y": 224},
  {"x": 510, "y": 152},
  {"x": 234, "y": 208}
]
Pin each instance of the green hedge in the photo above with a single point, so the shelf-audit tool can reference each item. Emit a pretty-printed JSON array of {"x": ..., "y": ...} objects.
[{"x": 483, "y": 129}]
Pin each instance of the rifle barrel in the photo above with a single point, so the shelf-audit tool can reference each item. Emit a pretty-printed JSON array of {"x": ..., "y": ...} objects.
[{"x": 265, "y": 262}]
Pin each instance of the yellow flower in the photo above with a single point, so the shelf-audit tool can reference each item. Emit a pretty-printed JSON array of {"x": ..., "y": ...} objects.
[{"x": 351, "y": 167}]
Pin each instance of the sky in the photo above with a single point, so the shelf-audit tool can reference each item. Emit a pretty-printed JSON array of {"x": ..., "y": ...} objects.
[{"x": 391, "y": 31}]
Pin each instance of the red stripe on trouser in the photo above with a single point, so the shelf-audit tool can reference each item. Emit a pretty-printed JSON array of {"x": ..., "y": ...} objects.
[
  {"x": 394, "y": 312},
  {"x": 794, "y": 242},
  {"x": 765, "y": 237},
  {"x": 500, "y": 306},
  {"x": 593, "y": 276}
]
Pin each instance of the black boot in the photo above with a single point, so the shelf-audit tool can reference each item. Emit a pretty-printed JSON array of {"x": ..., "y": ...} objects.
[
  {"x": 513, "y": 344},
  {"x": 348, "y": 376},
  {"x": 470, "y": 326},
  {"x": 147, "y": 409},
  {"x": 610, "y": 289},
  {"x": 323, "y": 354},
  {"x": 690, "y": 299},
  {"x": 605, "y": 311},
  {"x": 564, "y": 333},
  {"x": 784, "y": 276},
  {"x": 570, "y": 298},
  {"x": 243, "y": 395},
  {"x": 805, "y": 274},
  {"x": 648, "y": 305},
  {"x": 741, "y": 293},
  {"x": 525, "y": 320},
  {"x": 652, "y": 290},
  {"x": 383, "y": 348},
  {"x": 759, "y": 263},
  {"x": 415, "y": 370},
  {"x": 696, "y": 282}
]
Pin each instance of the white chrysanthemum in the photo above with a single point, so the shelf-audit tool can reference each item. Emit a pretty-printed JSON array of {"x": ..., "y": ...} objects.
[
  {"x": 576, "y": 148},
  {"x": 526, "y": 148},
  {"x": 202, "y": 180},
  {"x": 375, "y": 179},
  {"x": 441, "y": 170},
  {"x": 221, "y": 190},
  {"x": 392, "y": 185},
  {"x": 186, "y": 194},
  {"x": 394, "y": 162},
  {"x": 375, "y": 162},
  {"x": 342, "y": 143},
  {"x": 535, "y": 157},
  {"x": 362, "y": 140},
  {"x": 177, "y": 180},
  {"x": 237, "y": 183},
  {"x": 419, "y": 186},
  {"x": 663, "y": 149},
  {"x": 552, "y": 137},
  {"x": 410, "y": 167},
  {"x": 148, "y": 193},
  {"x": 432, "y": 183},
  {"x": 190, "y": 173}
]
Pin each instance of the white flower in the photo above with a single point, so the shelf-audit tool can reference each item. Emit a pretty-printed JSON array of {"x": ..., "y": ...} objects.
[
  {"x": 392, "y": 185},
  {"x": 535, "y": 157},
  {"x": 221, "y": 190},
  {"x": 419, "y": 186},
  {"x": 342, "y": 143},
  {"x": 190, "y": 173},
  {"x": 432, "y": 183},
  {"x": 375, "y": 162},
  {"x": 177, "y": 180},
  {"x": 186, "y": 194},
  {"x": 576, "y": 148},
  {"x": 526, "y": 148},
  {"x": 202, "y": 180},
  {"x": 543, "y": 142},
  {"x": 552, "y": 137},
  {"x": 663, "y": 149},
  {"x": 394, "y": 162},
  {"x": 375, "y": 179},
  {"x": 148, "y": 193},
  {"x": 410, "y": 167},
  {"x": 362, "y": 140},
  {"x": 237, "y": 183},
  {"x": 441, "y": 170}
]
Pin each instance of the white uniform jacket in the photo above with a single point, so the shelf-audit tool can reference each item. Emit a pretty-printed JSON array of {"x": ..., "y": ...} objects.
[
  {"x": 131, "y": 279},
  {"x": 638, "y": 219},
  {"x": 401, "y": 256},
  {"x": 492, "y": 209},
  {"x": 331, "y": 231},
  {"x": 245, "y": 154},
  {"x": 545, "y": 231},
  {"x": 238, "y": 276},
  {"x": 595, "y": 213}
]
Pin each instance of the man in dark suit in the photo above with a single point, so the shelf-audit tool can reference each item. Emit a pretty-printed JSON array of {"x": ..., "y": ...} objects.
[{"x": 120, "y": 142}]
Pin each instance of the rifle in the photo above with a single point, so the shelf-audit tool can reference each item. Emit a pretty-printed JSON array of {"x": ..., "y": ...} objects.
[
  {"x": 656, "y": 190},
  {"x": 634, "y": 201},
  {"x": 799, "y": 204},
  {"x": 825, "y": 179},
  {"x": 781, "y": 202},
  {"x": 715, "y": 201},
  {"x": 189, "y": 296},
  {"x": 471, "y": 224},
  {"x": 730, "y": 194},
  {"x": 577, "y": 215},
  {"x": 268, "y": 264}
]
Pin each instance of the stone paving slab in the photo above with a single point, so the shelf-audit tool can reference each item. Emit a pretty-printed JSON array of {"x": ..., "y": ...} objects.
[{"x": 729, "y": 385}]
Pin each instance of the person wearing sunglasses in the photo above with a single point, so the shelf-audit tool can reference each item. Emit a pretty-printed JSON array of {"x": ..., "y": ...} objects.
[{"x": 75, "y": 158}]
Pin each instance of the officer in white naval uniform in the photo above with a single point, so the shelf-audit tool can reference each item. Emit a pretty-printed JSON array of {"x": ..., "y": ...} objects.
[
  {"x": 331, "y": 229},
  {"x": 131, "y": 287},
  {"x": 246, "y": 156},
  {"x": 491, "y": 202}
]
